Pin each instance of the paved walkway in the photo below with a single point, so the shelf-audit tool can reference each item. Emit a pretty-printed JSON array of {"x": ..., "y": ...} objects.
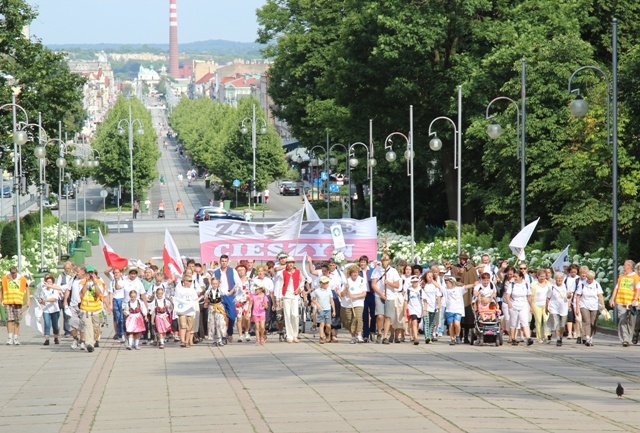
[{"x": 309, "y": 387}]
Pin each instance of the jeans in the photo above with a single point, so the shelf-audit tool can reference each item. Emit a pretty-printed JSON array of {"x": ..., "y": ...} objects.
[
  {"x": 626, "y": 323},
  {"x": 51, "y": 319},
  {"x": 118, "y": 318},
  {"x": 440, "y": 320},
  {"x": 369, "y": 315}
]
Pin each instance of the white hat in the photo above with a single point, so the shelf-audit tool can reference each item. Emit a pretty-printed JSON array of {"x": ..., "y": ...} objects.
[{"x": 290, "y": 259}]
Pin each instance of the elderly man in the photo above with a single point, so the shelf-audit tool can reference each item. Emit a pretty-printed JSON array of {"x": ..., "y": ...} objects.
[
  {"x": 14, "y": 290},
  {"x": 92, "y": 290},
  {"x": 72, "y": 301},
  {"x": 625, "y": 295},
  {"x": 288, "y": 291},
  {"x": 64, "y": 280}
]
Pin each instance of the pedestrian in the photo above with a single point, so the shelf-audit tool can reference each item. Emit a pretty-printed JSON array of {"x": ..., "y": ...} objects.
[
  {"x": 162, "y": 180},
  {"x": 415, "y": 301},
  {"x": 385, "y": 281},
  {"x": 160, "y": 309},
  {"x": 92, "y": 292},
  {"x": 116, "y": 299},
  {"x": 179, "y": 208},
  {"x": 454, "y": 306},
  {"x": 265, "y": 194},
  {"x": 180, "y": 179},
  {"x": 64, "y": 281},
  {"x": 161, "y": 209},
  {"x": 229, "y": 284},
  {"x": 14, "y": 290},
  {"x": 50, "y": 293},
  {"x": 147, "y": 206},
  {"x": 136, "y": 313},
  {"x": 432, "y": 292},
  {"x": 185, "y": 302},
  {"x": 355, "y": 290},
  {"x": 210, "y": 202},
  {"x": 72, "y": 301},
  {"x": 558, "y": 306},
  {"x": 288, "y": 293},
  {"x": 216, "y": 317},
  {"x": 519, "y": 300},
  {"x": 589, "y": 300},
  {"x": 136, "y": 209},
  {"x": 322, "y": 300},
  {"x": 258, "y": 307},
  {"x": 624, "y": 296}
]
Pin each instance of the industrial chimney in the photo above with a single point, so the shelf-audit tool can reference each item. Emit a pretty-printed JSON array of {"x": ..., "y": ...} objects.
[{"x": 174, "y": 67}]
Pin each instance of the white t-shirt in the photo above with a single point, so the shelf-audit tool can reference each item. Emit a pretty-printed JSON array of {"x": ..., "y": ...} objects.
[
  {"x": 558, "y": 303},
  {"x": 265, "y": 282},
  {"x": 431, "y": 293},
  {"x": 488, "y": 290},
  {"x": 187, "y": 294},
  {"x": 117, "y": 293},
  {"x": 356, "y": 287},
  {"x": 414, "y": 299},
  {"x": 518, "y": 293},
  {"x": 589, "y": 295},
  {"x": 390, "y": 275},
  {"x": 454, "y": 299},
  {"x": 48, "y": 293},
  {"x": 74, "y": 296},
  {"x": 129, "y": 285},
  {"x": 541, "y": 294}
]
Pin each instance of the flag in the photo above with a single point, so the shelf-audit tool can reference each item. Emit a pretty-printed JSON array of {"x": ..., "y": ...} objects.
[
  {"x": 561, "y": 261},
  {"x": 183, "y": 307},
  {"x": 113, "y": 260},
  {"x": 33, "y": 318},
  {"x": 171, "y": 257},
  {"x": 288, "y": 229},
  {"x": 521, "y": 240},
  {"x": 310, "y": 211}
]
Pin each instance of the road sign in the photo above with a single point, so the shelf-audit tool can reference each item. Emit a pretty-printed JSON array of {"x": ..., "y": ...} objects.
[
  {"x": 334, "y": 188},
  {"x": 323, "y": 175},
  {"x": 103, "y": 193},
  {"x": 317, "y": 182},
  {"x": 236, "y": 183}
]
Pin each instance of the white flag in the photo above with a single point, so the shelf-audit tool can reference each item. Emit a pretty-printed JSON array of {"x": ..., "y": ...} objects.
[
  {"x": 312, "y": 215},
  {"x": 171, "y": 257},
  {"x": 288, "y": 229},
  {"x": 33, "y": 318},
  {"x": 561, "y": 261},
  {"x": 521, "y": 240},
  {"x": 183, "y": 307}
]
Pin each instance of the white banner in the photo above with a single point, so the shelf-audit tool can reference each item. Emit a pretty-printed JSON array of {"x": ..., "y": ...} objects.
[{"x": 243, "y": 240}]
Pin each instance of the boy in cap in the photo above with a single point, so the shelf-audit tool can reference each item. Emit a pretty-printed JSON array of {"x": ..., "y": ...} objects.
[
  {"x": 415, "y": 302},
  {"x": 322, "y": 299}
]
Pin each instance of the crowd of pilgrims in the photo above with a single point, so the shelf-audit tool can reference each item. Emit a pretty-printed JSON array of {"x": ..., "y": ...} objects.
[{"x": 371, "y": 301}]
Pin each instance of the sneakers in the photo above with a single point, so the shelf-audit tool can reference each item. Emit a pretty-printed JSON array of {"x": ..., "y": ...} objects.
[
  {"x": 354, "y": 340},
  {"x": 247, "y": 337},
  {"x": 579, "y": 340},
  {"x": 121, "y": 339},
  {"x": 416, "y": 342},
  {"x": 427, "y": 340},
  {"x": 559, "y": 342},
  {"x": 221, "y": 342},
  {"x": 379, "y": 338},
  {"x": 46, "y": 342},
  {"x": 385, "y": 341},
  {"x": 529, "y": 342},
  {"x": 82, "y": 346},
  {"x": 10, "y": 341},
  {"x": 97, "y": 344},
  {"x": 241, "y": 339},
  {"x": 397, "y": 340},
  {"x": 15, "y": 341},
  {"x": 452, "y": 342},
  {"x": 137, "y": 347},
  {"x": 634, "y": 340},
  {"x": 89, "y": 348},
  {"x": 56, "y": 340},
  {"x": 74, "y": 344},
  {"x": 161, "y": 346},
  {"x": 360, "y": 339},
  {"x": 458, "y": 341}
]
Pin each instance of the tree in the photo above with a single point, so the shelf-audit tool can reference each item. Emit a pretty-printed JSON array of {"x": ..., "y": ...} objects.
[{"x": 114, "y": 166}]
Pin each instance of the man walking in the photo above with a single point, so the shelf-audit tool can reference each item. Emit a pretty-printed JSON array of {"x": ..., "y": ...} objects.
[
  {"x": 229, "y": 280},
  {"x": 14, "y": 290},
  {"x": 92, "y": 291},
  {"x": 625, "y": 295},
  {"x": 64, "y": 280},
  {"x": 385, "y": 281},
  {"x": 288, "y": 294}
]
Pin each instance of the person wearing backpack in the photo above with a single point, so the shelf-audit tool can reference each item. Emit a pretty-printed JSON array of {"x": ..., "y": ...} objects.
[{"x": 519, "y": 301}]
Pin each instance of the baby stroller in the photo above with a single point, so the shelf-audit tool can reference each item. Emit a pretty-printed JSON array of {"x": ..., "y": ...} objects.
[
  {"x": 486, "y": 330},
  {"x": 161, "y": 213}
]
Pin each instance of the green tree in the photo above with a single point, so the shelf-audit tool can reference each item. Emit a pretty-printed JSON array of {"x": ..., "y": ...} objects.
[{"x": 114, "y": 148}]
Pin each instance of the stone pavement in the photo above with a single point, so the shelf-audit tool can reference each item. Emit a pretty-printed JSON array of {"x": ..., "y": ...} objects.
[{"x": 309, "y": 387}]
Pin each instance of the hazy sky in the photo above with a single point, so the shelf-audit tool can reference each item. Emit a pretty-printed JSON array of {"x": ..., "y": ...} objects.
[{"x": 143, "y": 21}]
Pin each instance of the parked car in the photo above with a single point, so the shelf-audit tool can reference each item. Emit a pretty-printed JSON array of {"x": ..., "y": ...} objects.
[
  {"x": 68, "y": 192},
  {"x": 290, "y": 188},
  {"x": 215, "y": 212},
  {"x": 50, "y": 205},
  {"x": 6, "y": 191}
]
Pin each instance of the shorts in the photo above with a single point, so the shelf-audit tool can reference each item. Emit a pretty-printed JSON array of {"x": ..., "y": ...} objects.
[
  {"x": 571, "y": 317},
  {"x": 186, "y": 322},
  {"x": 379, "y": 306},
  {"x": 452, "y": 317},
  {"x": 414, "y": 317},
  {"x": 324, "y": 316},
  {"x": 75, "y": 320},
  {"x": 14, "y": 312},
  {"x": 559, "y": 322},
  {"x": 390, "y": 310}
]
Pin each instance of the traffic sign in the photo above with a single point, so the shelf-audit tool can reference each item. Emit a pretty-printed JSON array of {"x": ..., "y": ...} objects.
[
  {"x": 334, "y": 188},
  {"x": 236, "y": 183},
  {"x": 103, "y": 193},
  {"x": 317, "y": 182},
  {"x": 323, "y": 175}
]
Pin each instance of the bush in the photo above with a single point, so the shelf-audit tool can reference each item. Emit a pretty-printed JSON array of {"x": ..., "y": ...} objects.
[
  {"x": 8, "y": 240},
  {"x": 499, "y": 230},
  {"x": 483, "y": 228}
]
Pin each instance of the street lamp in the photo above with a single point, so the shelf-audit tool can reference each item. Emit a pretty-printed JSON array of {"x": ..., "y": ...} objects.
[
  {"x": 579, "y": 108},
  {"x": 19, "y": 138},
  {"x": 244, "y": 130},
  {"x": 436, "y": 144},
  {"x": 494, "y": 130},
  {"x": 130, "y": 123},
  {"x": 315, "y": 161},
  {"x": 409, "y": 156},
  {"x": 61, "y": 163},
  {"x": 333, "y": 162},
  {"x": 371, "y": 162}
]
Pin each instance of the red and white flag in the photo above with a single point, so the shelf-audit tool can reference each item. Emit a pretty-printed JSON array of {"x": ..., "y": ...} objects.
[
  {"x": 113, "y": 260},
  {"x": 171, "y": 257}
]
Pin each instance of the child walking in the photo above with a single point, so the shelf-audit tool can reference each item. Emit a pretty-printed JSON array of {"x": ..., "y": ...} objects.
[
  {"x": 161, "y": 308},
  {"x": 136, "y": 313},
  {"x": 258, "y": 305}
]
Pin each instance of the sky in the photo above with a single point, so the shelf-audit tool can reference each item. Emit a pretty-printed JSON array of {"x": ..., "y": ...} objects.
[{"x": 143, "y": 21}]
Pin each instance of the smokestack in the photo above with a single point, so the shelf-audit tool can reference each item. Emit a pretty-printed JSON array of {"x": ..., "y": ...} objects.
[{"x": 174, "y": 67}]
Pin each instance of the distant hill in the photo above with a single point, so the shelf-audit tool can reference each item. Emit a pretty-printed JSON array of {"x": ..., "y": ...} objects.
[{"x": 216, "y": 48}]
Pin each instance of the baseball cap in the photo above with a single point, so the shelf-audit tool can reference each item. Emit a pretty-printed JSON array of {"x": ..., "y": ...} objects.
[
  {"x": 324, "y": 279},
  {"x": 442, "y": 269},
  {"x": 415, "y": 278},
  {"x": 290, "y": 259},
  {"x": 451, "y": 280},
  {"x": 281, "y": 255},
  {"x": 91, "y": 268}
]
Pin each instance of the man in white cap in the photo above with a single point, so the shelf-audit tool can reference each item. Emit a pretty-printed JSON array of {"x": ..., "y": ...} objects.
[{"x": 288, "y": 290}]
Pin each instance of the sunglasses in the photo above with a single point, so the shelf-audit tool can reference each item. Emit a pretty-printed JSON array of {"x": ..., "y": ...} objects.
[
  {"x": 187, "y": 281},
  {"x": 523, "y": 269}
]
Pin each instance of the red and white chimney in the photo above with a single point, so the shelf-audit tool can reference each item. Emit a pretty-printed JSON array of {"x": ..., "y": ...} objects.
[{"x": 174, "y": 66}]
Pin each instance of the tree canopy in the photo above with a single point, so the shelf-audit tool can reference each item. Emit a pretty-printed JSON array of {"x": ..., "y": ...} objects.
[
  {"x": 338, "y": 64},
  {"x": 211, "y": 134}
]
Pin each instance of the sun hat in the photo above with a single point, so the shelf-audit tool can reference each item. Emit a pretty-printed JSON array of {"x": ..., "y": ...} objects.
[
  {"x": 290, "y": 259},
  {"x": 324, "y": 279}
]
